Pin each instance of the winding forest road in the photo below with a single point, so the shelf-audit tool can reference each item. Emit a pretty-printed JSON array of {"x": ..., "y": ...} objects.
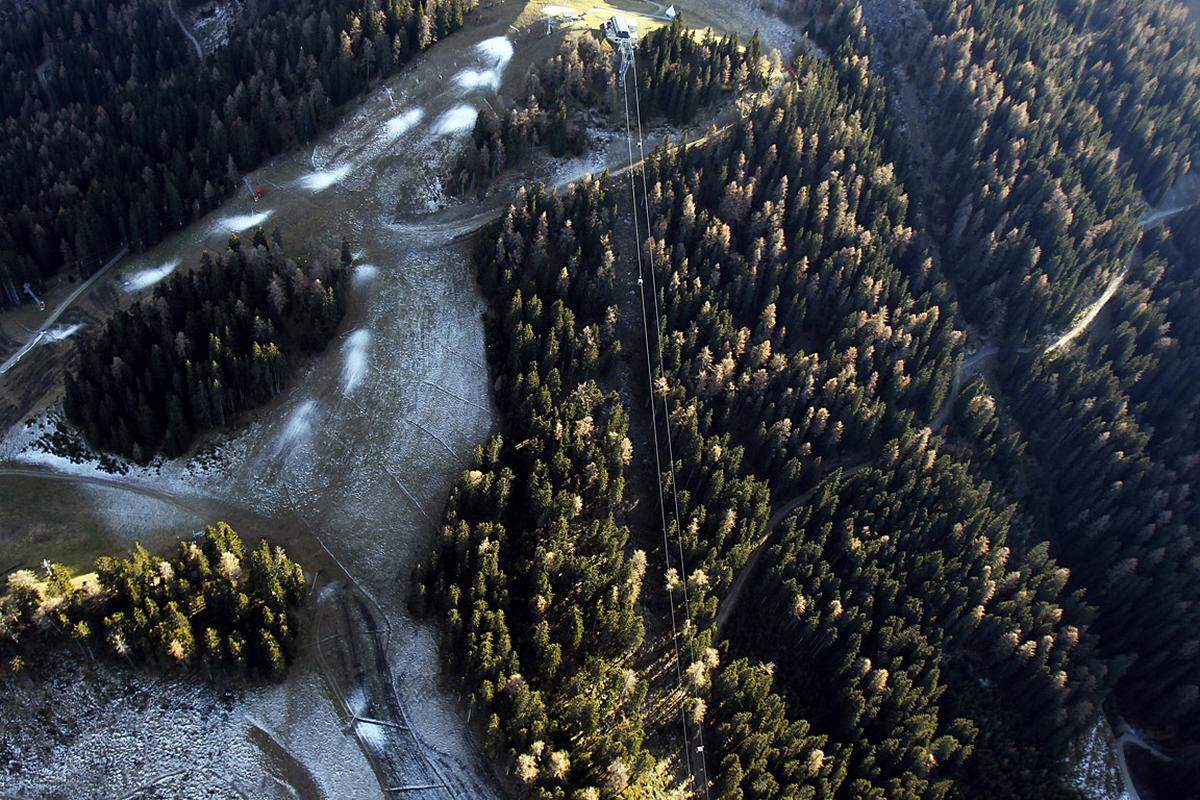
[
  {"x": 186, "y": 32},
  {"x": 1152, "y": 218},
  {"x": 103, "y": 483},
  {"x": 1128, "y": 737},
  {"x": 1093, "y": 311},
  {"x": 729, "y": 602},
  {"x": 967, "y": 369}
]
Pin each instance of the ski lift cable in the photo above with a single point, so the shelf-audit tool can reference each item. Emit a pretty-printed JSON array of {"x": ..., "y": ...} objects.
[
  {"x": 666, "y": 396},
  {"x": 654, "y": 424}
]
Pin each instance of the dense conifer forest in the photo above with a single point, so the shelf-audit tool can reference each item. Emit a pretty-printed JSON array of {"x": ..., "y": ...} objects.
[
  {"x": 215, "y": 604},
  {"x": 111, "y": 133},
  {"x": 1101, "y": 432},
  {"x": 948, "y": 579},
  {"x": 208, "y": 344}
]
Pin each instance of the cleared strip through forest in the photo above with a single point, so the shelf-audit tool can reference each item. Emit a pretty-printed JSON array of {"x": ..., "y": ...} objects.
[
  {"x": 687, "y": 605},
  {"x": 654, "y": 424}
]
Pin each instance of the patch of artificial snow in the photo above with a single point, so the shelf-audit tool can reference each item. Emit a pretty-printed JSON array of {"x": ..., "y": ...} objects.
[
  {"x": 143, "y": 279},
  {"x": 18, "y": 449},
  {"x": 60, "y": 332},
  {"x": 401, "y": 124},
  {"x": 107, "y": 731},
  {"x": 498, "y": 49},
  {"x": 457, "y": 120},
  {"x": 298, "y": 426},
  {"x": 323, "y": 179},
  {"x": 356, "y": 702},
  {"x": 495, "y": 52},
  {"x": 470, "y": 79},
  {"x": 1093, "y": 763},
  {"x": 364, "y": 274},
  {"x": 241, "y": 222},
  {"x": 211, "y": 26},
  {"x": 372, "y": 734},
  {"x": 355, "y": 365}
]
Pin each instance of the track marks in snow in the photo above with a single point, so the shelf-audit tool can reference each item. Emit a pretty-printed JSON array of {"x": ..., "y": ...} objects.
[{"x": 146, "y": 278}]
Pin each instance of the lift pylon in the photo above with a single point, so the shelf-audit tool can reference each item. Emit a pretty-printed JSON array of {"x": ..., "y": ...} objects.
[
  {"x": 29, "y": 291},
  {"x": 256, "y": 192}
]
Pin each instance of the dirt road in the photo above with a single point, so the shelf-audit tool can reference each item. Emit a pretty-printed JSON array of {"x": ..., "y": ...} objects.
[
  {"x": 730, "y": 601},
  {"x": 186, "y": 31}
]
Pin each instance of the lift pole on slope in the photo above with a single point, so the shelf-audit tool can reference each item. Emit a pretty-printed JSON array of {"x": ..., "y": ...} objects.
[
  {"x": 29, "y": 291},
  {"x": 256, "y": 192}
]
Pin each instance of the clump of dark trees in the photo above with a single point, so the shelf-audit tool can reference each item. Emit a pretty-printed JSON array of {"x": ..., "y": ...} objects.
[
  {"x": 110, "y": 134},
  {"x": 1113, "y": 423},
  {"x": 214, "y": 603},
  {"x": 210, "y": 343},
  {"x": 679, "y": 73},
  {"x": 1136, "y": 63},
  {"x": 1032, "y": 101}
]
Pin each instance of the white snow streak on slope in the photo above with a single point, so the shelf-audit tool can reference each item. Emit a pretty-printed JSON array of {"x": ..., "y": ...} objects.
[
  {"x": 364, "y": 274},
  {"x": 403, "y": 123},
  {"x": 148, "y": 277},
  {"x": 298, "y": 425},
  {"x": 470, "y": 79},
  {"x": 355, "y": 365},
  {"x": 240, "y": 222},
  {"x": 456, "y": 120},
  {"x": 60, "y": 332},
  {"x": 496, "y": 53},
  {"x": 319, "y": 181},
  {"x": 498, "y": 48},
  {"x": 357, "y": 701},
  {"x": 372, "y": 734}
]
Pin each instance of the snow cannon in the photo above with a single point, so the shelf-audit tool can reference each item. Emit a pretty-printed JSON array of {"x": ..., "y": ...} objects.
[
  {"x": 41, "y": 305},
  {"x": 256, "y": 192}
]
